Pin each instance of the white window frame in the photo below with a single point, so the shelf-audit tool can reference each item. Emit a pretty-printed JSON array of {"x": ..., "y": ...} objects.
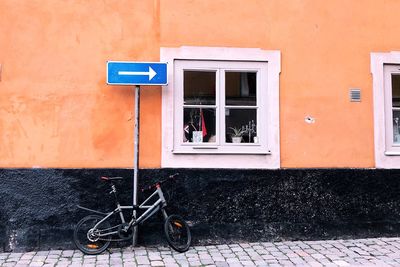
[
  {"x": 208, "y": 155},
  {"x": 220, "y": 146},
  {"x": 387, "y": 155}
]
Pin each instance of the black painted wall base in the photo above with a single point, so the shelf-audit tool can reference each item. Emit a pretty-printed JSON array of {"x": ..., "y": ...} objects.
[{"x": 38, "y": 206}]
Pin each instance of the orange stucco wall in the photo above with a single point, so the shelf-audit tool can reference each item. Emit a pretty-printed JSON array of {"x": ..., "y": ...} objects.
[
  {"x": 55, "y": 107},
  {"x": 56, "y": 111}
]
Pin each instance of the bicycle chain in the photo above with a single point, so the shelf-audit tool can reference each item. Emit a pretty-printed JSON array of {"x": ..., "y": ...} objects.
[{"x": 110, "y": 239}]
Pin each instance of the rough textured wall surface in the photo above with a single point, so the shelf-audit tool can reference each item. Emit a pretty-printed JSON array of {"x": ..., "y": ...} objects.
[{"x": 38, "y": 206}]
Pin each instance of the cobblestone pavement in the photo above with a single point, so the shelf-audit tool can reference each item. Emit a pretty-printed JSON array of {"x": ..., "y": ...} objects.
[{"x": 359, "y": 252}]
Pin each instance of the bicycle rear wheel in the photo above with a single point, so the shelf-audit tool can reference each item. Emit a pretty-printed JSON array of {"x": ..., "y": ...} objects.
[
  {"x": 88, "y": 240},
  {"x": 177, "y": 232}
]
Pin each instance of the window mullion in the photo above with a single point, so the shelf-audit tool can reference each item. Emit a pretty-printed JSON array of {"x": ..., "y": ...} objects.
[
  {"x": 389, "y": 111},
  {"x": 221, "y": 102},
  {"x": 199, "y": 106},
  {"x": 241, "y": 107},
  {"x": 179, "y": 111}
]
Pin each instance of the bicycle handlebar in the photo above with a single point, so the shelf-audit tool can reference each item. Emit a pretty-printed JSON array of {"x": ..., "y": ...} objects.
[{"x": 171, "y": 177}]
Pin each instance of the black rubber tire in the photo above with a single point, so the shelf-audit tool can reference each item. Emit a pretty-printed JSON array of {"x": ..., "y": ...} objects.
[
  {"x": 177, "y": 232},
  {"x": 80, "y": 235}
]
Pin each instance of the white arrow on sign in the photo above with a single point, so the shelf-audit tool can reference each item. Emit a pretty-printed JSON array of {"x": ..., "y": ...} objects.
[{"x": 151, "y": 73}]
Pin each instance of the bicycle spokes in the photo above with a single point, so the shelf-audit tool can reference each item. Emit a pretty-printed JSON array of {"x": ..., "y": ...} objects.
[
  {"x": 177, "y": 233},
  {"x": 87, "y": 238}
]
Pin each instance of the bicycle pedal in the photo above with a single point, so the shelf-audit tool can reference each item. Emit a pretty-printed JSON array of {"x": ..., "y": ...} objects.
[{"x": 109, "y": 251}]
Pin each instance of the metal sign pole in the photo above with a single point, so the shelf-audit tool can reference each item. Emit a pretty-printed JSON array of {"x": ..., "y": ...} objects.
[
  {"x": 136, "y": 158},
  {"x": 136, "y": 73}
]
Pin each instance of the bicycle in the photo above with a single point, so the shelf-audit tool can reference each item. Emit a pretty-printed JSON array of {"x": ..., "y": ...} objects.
[{"x": 93, "y": 233}]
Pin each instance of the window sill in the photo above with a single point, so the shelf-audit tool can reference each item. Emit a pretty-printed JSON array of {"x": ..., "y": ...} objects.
[
  {"x": 214, "y": 150},
  {"x": 392, "y": 153},
  {"x": 214, "y": 145}
]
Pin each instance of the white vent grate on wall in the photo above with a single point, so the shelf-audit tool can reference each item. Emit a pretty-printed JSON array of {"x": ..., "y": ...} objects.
[{"x": 355, "y": 95}]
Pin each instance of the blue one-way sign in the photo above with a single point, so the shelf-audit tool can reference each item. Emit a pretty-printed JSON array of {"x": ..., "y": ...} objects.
[{"x": 136, "y": 73}]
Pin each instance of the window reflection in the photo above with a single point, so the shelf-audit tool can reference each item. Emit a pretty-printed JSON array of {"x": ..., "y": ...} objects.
[
  {"x": 396, "y": 124},
  {"x": 240, "y": 88},
  {"x": 241, "y": 126},
  {"x": 199, "y": 87},
  {"x": 396, "y": 108},
  {"x": 199, "y": 126}
]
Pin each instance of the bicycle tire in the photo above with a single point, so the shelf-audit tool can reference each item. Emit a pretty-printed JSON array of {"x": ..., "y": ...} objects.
[
  {"x": 177, "y": 232},
  {"x": 81, "y": 239}
]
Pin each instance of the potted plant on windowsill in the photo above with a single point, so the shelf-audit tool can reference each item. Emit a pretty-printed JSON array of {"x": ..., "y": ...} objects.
[{"x": 237, "y": 134}]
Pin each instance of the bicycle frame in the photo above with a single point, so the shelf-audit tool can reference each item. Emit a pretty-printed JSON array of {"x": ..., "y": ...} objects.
[{"x": 150, "y": 211}]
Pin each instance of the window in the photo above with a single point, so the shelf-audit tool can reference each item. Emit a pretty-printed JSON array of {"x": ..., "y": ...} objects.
[
  {"x": 223, "y": 104},
  {"x": 392, "y": 107},
  {"x": 385, "y": 68},
  {"x": 220, "y": 106}
]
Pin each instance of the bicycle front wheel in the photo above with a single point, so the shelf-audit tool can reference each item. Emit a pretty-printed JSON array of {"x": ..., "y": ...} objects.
[
  {"x": 177, "y": 232},
  {"x": 87, "y": 239}
]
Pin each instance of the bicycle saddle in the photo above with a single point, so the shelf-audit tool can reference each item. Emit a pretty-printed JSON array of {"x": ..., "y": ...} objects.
[{"x": 108, "y": 179}]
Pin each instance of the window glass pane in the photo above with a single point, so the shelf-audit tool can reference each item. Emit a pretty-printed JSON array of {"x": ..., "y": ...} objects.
[
  {"x": 396, "y": 125},
  {"x": 199, "y": 125},
  {"x": 199, "y": 87},
  {"x": 240, "y": 88},
  {"x": 396, "y": 90},
  {"x": 241, "y": 123}
]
